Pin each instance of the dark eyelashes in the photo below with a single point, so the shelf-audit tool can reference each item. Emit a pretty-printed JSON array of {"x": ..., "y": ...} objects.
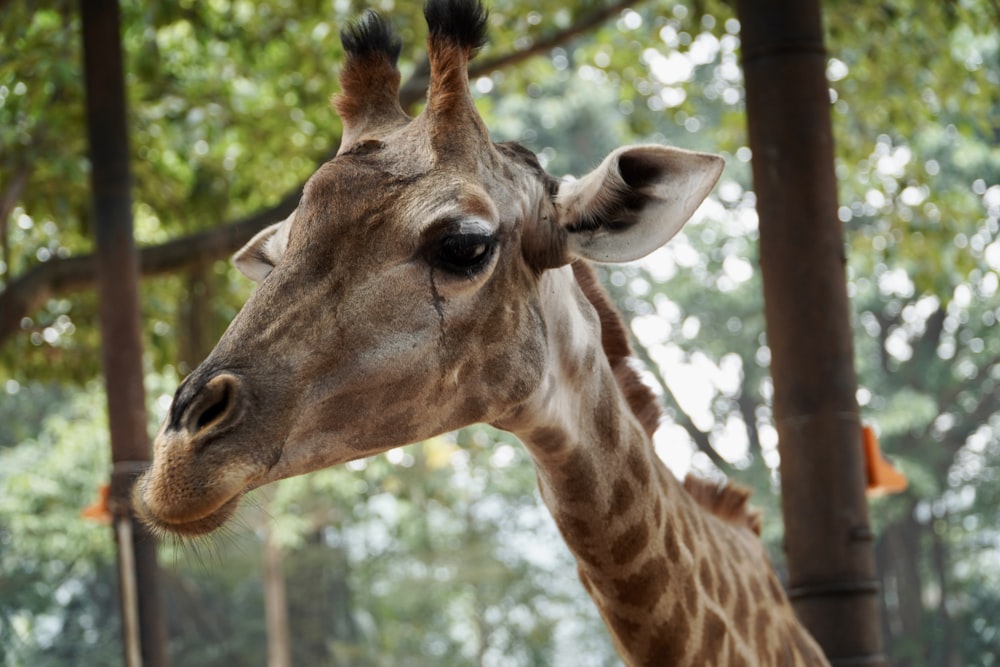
[{"x": 463, "y": 254}]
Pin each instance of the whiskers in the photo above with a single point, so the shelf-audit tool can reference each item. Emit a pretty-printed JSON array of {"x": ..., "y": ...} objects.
[{"x": 240, "y": 535}]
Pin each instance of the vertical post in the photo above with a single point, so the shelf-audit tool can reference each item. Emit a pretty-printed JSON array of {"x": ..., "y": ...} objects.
[
  {"x": 279, "y": 645},
  {"x": 121, "y": 341},
  {"x": 831, "y": 563}
]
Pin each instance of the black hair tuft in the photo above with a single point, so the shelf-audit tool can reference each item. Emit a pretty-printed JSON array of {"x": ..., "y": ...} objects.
[
  {"x": 460, "y": 20},
  {"x": 370, "y": 34}
]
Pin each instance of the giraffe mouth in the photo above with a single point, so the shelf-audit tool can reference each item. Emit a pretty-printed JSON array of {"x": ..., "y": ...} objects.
[
  {"x": 187, "y": 526},
  {"x": 186, "y": 519}
]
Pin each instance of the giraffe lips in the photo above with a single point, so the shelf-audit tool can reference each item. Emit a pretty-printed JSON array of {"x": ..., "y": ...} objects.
[
  {"x": 191, "y": 525},
  {"x": 171, "y": 505},
  {"x": 191, "y": 489}
]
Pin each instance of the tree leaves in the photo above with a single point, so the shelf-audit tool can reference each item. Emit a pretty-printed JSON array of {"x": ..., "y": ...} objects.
[{"x": 229, "y": 114}]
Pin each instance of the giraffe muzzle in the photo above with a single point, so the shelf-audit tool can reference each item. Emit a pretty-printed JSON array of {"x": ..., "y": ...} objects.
[{"x": 197, "y": 477}]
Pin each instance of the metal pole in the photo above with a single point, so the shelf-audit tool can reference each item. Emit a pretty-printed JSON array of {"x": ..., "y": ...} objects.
[
  {"x": 828, "y": 541},
  {"x": 121, "y": 339}
]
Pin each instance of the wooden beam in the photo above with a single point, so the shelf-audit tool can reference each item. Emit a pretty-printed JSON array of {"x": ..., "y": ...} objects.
[
  {"x": 828, "y": 539},
  {"x": 121, "y": 339}
]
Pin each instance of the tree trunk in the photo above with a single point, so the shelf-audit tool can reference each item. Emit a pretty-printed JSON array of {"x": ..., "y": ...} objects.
[
  {"x": 279, "y": 649},
  {"x": 902, "y": 548},
  {"x": 948, "y": 648},
  {"x": 828, "y": 540},
  {"x": 883, "y": 560},
  {"x": 121, "y": 341}
]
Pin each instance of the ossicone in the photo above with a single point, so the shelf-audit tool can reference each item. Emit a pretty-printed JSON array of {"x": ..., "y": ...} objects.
[
  {"x": 369, "y": 80},
  {"x": 456, "y": 31}
]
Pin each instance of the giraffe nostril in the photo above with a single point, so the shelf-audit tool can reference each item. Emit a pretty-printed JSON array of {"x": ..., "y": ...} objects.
[
  {"x": 213, "y": 411},
  {"x": 215, "y": 404}
]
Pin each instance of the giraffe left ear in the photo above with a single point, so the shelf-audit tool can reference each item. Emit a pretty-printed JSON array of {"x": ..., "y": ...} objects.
[
  {"x": 260, "y": 255},
  {"x": 635, "y": 201}
]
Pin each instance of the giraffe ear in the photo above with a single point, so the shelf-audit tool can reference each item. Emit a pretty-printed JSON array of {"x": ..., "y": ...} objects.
[
  {"x": 257, "y": 258},
  {"x": 635, "y": 201}
]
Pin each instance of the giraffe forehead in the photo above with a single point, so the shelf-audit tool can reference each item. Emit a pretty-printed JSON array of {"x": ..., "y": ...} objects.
[{"x": 378, "y": 183}]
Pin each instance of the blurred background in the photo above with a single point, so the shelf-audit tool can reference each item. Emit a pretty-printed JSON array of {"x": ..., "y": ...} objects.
[{"x": 441, "y": 552}]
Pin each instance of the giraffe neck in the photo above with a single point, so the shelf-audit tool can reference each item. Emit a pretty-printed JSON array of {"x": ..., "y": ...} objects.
[{"x": 674, "y": 584}]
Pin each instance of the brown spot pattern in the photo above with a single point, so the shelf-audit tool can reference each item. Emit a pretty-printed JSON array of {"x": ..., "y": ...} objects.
[
  {"x": 623, "y": 628},
  {"x": 622, "y": 498},
  {"x": 645, "y": 587},
  {"x": 756, "y": 590},
  {"x": 672, "y": 546},
  {"x": 723, "y": 589},
  {"x": 630, "y": 544},
  {"x": 473, "y": 408},
  {"x": 576, "y": 531},
  {"x": 739, "y": 661},
  {"x": 549, "y": 440},
  {"x": 713, "y": 633},
  {"x": 741, "y": 610},
  {"x": 670, "y": 640},
  {"x": 579, "y": 479},
  {"x": 638, "y": 464},
  {"x": 760, "y": 626},
  {"x": 606, "y": 419},
  {"x": 690, "y": 599}
]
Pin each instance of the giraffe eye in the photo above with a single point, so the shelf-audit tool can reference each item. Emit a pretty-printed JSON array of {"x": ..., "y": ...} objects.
[{"x": 465, "y": 254}]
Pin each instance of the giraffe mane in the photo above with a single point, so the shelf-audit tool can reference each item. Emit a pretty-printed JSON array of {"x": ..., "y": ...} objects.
[
  {"x": 727, "y": 500},
  {"x": 614, "y": 340}
]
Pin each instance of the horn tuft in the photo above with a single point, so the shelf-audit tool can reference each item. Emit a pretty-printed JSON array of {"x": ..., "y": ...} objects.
[
  {"x": 371, "y": 34},
  {"x": 461, "y": 21}
]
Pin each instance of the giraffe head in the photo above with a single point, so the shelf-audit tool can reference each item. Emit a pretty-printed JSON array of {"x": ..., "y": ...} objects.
[{"x": 403, "y": 297}]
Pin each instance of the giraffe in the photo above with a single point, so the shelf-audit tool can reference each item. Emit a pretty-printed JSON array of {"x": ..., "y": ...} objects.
[{"x": 430, "y": 279}]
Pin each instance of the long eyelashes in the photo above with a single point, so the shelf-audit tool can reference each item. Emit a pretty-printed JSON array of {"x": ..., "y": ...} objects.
[{"x": 464, "y": 254}]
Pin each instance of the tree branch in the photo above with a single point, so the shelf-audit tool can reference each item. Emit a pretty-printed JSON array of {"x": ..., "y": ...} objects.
[
  {"x": 33, "y": 288},
  {"x": 701, "y": 439},
  {"x": 416, "y": 86},
  {"x": 925, "y": 347},
  {"x": 886, "y": 323},
  {"x": 748, "y": 411},
  {"x": 29, "y": 291},
  {"x": 586, "y": 23},
  {"x": 986, "y": 405}
]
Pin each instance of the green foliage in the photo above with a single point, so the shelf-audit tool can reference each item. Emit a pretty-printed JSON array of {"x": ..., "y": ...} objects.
[
  {"x": 441, "y": 550},
  {"x": 57, "y": 579}
]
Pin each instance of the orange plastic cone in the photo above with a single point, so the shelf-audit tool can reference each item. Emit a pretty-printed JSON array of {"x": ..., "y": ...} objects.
[
  {"x": 883, "y": 478},
  {"x": 98, "y": 510}
]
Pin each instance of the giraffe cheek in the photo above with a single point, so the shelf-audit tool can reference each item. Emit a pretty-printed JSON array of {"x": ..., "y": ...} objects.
[{"x": 352, "y": 422}]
